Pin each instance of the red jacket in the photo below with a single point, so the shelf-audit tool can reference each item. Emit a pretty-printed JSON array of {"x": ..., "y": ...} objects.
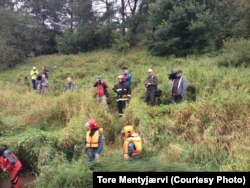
[{"x": 9, "y": 162}]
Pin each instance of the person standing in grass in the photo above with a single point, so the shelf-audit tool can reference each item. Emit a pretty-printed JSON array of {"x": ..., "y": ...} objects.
[
  {"x": 44, "y": 83},
  {"x": 26, "y": 82},
  {"x": 34, "y": 74},
  {"x": 70, "y": 84},
  {"x": 132, "y": 146},
  {"x": 178, "y": 87},
  {"x": 127, "y": 75},
  {"x": 123, "y": 92},
  {"x": 151, "y": 84},
  {"x": 11, "y": 164},
  {"x": 94, "y": 142},
  {"x": 101, "y": 91},
  {"x": 45, "y": 72}
]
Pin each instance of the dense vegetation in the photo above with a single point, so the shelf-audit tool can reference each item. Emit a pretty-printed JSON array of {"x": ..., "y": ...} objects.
[
  {"x": 166, "y": 27},
  {"x": 47, "y": 132},
  {"x": 207, "y": 39}
]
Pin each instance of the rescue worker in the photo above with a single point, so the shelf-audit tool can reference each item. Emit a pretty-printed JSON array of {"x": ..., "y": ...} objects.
[
  {"x": 132, "y": 145},
  {"x": 11, "y": 164},
  {"x": 94, "y": 142},
  {"x": 123, "y": 94},
  {"x": 151, "y": 84},
  {"x": 34, "y": 74}
]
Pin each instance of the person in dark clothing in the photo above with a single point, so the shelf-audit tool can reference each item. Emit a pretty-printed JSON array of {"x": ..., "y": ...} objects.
[
  {"x": 127, "y": 75},
  {"x": 45, "y": 72},
  {"x": 26, "y": 82},
  {"x": 178, "y": 87},
  {"x": 151, "y": 84},
  {"x": 123, "y": 94},
  {"x": 70, "y": 85}
]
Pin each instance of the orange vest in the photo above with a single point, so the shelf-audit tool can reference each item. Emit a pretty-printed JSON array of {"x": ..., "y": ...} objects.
[
  {"x": 92, "y": 141},
  {"x": 138, "y": 146}
]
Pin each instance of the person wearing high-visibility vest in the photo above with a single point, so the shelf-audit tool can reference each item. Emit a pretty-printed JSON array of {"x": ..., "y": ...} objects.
[
  {"x": 132, "y": 146},
  {"x": 11, "y": 164},
  {"x": 94, "y": 142},
  {"x": 34, "y": 74}
]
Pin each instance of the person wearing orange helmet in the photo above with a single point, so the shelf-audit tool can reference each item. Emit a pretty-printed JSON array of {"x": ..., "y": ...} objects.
[
  {"x": 11, "y": 164},
  {"x": 132, "y": 146},
  {"x": 123, "y": 92},
  {"x": 94, "y": 142}
]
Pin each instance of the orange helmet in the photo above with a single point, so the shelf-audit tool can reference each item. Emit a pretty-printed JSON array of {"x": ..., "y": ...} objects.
[
  {"x": 121, "y": 78},
  {"x": 128, "y": 130},
  {"x": 92, "y": 124}
]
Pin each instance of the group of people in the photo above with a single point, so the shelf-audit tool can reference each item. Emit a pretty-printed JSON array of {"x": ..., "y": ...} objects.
[
  {"x": 94, "y": 142},
  {"x": 123, "y": 89},
  {"x": 40, "y": 82}
]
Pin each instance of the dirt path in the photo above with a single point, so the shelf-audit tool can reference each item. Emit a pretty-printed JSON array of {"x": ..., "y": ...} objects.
[{"x": 26, "y": 181}]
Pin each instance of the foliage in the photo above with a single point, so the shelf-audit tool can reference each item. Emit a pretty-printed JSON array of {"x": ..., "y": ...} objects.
[
  {"x": 47, "y": 132},
  {"x": 19, "y": 38},
  {"x": 236, "y": 53},
  {"x": 181, "y": 28}
]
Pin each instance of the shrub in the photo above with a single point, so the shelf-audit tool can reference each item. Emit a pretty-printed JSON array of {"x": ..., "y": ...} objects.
[{"x": 235, "y": 53}]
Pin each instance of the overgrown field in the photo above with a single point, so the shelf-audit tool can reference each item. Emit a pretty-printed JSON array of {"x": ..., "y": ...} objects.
[{"x": 210, "y": 133}]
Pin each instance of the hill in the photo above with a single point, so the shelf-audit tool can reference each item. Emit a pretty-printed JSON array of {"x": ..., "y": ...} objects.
[{"x": 47, "y": 132}]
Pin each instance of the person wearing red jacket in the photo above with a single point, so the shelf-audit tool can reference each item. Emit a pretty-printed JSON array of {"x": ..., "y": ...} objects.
[{"x": 11, "y": 164}]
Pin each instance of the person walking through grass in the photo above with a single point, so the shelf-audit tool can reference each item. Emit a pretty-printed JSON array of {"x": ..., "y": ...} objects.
[
  {"x": 132, "y": 146},
  {"x": 94, "y": 142}
]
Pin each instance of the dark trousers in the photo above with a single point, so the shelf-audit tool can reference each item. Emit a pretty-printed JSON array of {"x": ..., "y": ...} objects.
[
  {"x": 121, "y": 106},
  {"x": 150, "y": 97},
  {"x": 34, "y": 84},
  {"x": 176, "y": 98}
]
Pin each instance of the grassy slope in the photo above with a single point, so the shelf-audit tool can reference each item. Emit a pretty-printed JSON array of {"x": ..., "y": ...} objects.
[{"x": 211, "y": 133}]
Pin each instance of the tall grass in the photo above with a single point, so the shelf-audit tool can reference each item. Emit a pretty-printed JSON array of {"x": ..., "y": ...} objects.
[{"x": 47, "y": 132}]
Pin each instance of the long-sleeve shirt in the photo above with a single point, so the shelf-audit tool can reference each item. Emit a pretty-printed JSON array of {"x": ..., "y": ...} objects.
[
  {"x": 151, "y": 82},
  {"x": 122, "y": 90},
  {"x": 34, "y": 74}
]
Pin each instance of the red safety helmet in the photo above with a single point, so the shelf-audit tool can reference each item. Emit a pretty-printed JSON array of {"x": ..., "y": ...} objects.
[
  {"x": 121, "y": 78},
  {"x": 92, "y": 124}
]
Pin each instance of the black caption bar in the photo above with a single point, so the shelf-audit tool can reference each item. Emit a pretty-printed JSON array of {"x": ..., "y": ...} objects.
[{"x": 169, "y": 179}]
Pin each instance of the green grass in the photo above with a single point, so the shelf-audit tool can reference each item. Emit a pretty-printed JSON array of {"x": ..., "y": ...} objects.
[{"x": 209, "y": 134}]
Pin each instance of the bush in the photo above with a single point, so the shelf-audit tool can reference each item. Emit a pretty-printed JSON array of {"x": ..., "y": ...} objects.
[{"x": 236, "y": 53}]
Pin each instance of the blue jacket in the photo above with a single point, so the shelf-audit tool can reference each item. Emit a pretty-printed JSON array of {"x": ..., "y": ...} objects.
[{"x": 128, "y": 78}]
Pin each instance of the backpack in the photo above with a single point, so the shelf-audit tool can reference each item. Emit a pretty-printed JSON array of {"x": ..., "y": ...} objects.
[{"x": 158, "y": 93}]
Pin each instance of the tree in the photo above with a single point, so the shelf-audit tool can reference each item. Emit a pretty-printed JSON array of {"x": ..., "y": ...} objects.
[
  {"x": 20, "y": 37},
  {"x": 181, "y": 27}
]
